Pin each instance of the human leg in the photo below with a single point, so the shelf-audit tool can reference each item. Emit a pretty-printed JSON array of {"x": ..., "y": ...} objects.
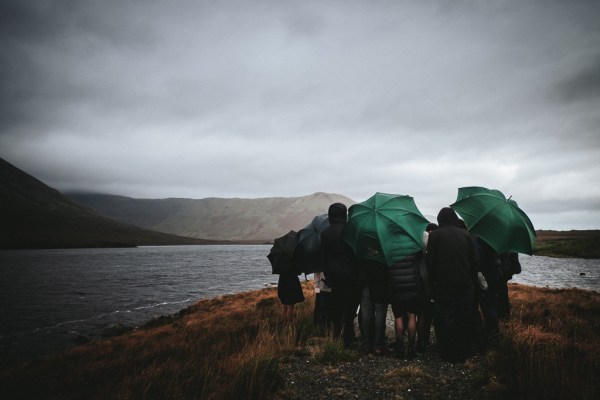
[
  {"x": 367, "y": 314},
  {"x": 503, "y": 301},
  {"x": 380, "y": 324}
]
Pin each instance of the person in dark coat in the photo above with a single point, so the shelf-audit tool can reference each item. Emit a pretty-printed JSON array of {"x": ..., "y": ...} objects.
[
  {"x": 425, "y": 315},
  {"x": 373, "y": 306},
  {"x": 509, "y": 265},
  {"x": 340, "y": 268},
  {"x": 489, "y": 265},
  {"x": 452, "y": 264},
  {"x": 405, "y": 292}
]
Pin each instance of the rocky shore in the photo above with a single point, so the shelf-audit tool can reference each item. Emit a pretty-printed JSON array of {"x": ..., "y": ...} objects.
[{"x": 374, "y": 377}]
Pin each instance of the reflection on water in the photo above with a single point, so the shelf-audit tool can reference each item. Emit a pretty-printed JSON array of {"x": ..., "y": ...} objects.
[{"x": 49, "y": 296}]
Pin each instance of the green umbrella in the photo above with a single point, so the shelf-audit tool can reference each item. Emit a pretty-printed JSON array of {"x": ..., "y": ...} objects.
[
  {"x": 494, "y": 218},
  {"x": 385, "y": 228}
]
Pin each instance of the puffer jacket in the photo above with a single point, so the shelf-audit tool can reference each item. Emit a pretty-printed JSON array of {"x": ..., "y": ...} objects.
[{"x": 404, "y": 281}]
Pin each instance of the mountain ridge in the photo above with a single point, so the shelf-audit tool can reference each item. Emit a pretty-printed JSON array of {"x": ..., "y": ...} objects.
[
  {"x": 250, "y": 220},
  {"x": 35, "y": 215}
]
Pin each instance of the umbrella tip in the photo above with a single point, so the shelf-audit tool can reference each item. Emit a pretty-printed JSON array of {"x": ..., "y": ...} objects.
[{"x": 510, "y": 197}]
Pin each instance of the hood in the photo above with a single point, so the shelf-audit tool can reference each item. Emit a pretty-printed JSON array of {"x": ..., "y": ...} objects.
[
  {"x": 337, "y": 213},
  {"x": 447, "y": 216}
]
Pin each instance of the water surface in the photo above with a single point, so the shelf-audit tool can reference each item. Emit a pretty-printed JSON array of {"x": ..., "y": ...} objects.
[{"x": 48, "y": 297}]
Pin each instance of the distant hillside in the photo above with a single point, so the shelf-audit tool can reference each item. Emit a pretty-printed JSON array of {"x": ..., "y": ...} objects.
[
  {"x": 250, "y": 220},
  {"x": 34, "y": 215},
  {"x": 580, "y": 244}
]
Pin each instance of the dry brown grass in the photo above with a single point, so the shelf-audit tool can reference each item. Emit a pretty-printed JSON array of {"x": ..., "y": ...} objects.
[
  {"x": 220, "y": 348},
  {"x": 550, "y": 347},
  {"x": 229, "y": 347}
]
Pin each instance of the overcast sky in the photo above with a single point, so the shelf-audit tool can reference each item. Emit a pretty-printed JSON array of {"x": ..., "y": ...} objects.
[{"x": 266, "y": 98}]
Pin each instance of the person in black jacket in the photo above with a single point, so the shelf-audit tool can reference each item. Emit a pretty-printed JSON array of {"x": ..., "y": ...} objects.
[
  {"x": 489, "y": 265},
  {"x": 340, "y": 268},
  {"x": 452, "y": 264},
  {"x": 510, "y": 265},
  {"x": 373, "y": 305},
  {"x": 405, "y": 292},
  {"x": 425, "y": 315}
]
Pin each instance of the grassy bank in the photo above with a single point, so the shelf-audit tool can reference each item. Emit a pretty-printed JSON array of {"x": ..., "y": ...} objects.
[
  {"x": 216, "y": 349},
  {"x": 230, "y": 347},
  {"x": 551, "y": 346},
  {"x": 580, "y": 244}
]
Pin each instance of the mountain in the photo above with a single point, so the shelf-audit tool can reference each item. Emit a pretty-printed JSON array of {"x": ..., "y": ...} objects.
[
  {"x": 249, "y": 220},
  {"x": 34, "y": 215}
]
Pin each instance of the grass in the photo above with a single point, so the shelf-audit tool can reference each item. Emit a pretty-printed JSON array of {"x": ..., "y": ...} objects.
[
  {"x": 230, "y": 347},
  {"x": 551, "y": 345},
  {"x": 581, "y": 244},
  {"x": 222, "y": 348}
]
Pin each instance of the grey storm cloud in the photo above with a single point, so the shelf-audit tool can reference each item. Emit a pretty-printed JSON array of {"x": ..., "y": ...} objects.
[
  {"x": 584, "y": 85},
  {"x": 286, "y": 98}
]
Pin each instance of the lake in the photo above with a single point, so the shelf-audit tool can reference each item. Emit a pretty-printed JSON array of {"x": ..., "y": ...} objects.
[{"x": 48, "y": 297}]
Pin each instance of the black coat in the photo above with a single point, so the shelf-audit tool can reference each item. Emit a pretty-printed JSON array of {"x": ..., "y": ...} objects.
[
  {"x": 452, "y": 260},
  {"x": 339, "y": 262},
  {"x": 489, "y": 263},
  {"x": 404, "y": 282}
]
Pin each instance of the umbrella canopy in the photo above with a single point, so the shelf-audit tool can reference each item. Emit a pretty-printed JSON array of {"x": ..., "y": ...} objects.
[
  {"x": 308, "y": 250},
  {"x": 385, "y": 228},
  {"x": 281, "y": 255},
  {"x": 495, "y": 219}
]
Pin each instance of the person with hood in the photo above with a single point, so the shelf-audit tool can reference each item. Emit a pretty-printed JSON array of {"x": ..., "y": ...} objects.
[
  {"x": 452, "y": 264},
  {"x": 339, "y": 266}
]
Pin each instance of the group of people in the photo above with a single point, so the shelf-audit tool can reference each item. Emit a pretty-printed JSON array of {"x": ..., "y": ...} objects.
[{"x": 457, "y": 282}]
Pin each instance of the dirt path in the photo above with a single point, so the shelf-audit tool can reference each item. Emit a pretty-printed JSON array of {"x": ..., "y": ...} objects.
[{"x": 367, "y": 376}]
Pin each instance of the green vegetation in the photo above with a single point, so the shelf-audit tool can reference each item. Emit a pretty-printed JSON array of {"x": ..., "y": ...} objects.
[{"x": 579, "y": 244}]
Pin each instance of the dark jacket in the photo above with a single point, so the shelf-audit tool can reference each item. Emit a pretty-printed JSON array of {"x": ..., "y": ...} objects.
[
  {"x": 489, "y": 263},
  {"x": 339, "y": 262},
  {"x": 404, "y": 282},
  {"x": 509, "y": 265},
  {"x": 452, "y": 260},
  {"x": 374, "y": 275}
]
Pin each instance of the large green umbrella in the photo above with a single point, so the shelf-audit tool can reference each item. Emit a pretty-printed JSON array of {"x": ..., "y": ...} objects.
[
  {"x": 385, "y": 228},
  {"x": 495, "y": 219}
]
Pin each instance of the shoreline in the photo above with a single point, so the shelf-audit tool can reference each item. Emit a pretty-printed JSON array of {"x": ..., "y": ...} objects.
[
  {"x": 115, "y": 330},
  {"x": 234, "y": 344}
]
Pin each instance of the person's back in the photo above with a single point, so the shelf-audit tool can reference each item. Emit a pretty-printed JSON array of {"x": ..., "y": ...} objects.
[
  {"x": 339, "y": 265},
  {"x": 404, "y": 281},
  {"x": 339, "y": 262},
  {"x": 451, "y": 258},
  {"x": 452, "y": 263}
]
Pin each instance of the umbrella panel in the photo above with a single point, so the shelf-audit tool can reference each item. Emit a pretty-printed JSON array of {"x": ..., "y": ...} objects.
[
  {"x": 498, "y": 221},
  {"x": 282, "y": 252},
  {"x": 308, "y": 250},
  {"x": 385, "y": 228}
]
